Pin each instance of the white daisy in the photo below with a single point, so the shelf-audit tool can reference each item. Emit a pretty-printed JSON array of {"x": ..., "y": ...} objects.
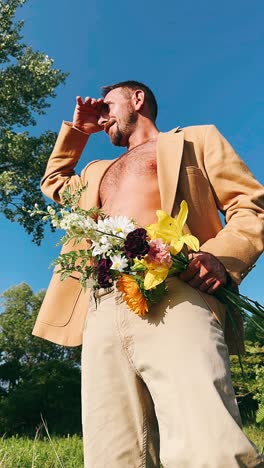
[
  {"x": 99, "y": 248},
  {"x": 120, "y": 225},
  {"x": 119, "y": 262}
]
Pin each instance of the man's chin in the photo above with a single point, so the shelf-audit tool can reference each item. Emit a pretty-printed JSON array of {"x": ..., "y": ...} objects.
[{"x": 117, "y": 140}]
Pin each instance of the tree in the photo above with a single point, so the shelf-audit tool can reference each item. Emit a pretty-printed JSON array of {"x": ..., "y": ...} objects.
[
  {"x": 254, "y": 330},
  {"x": 36, "y": 376},
  {"x": 27, "y": 79},
  {"x": 249, "y": 384},
  {"x": 245, "y": 383}
]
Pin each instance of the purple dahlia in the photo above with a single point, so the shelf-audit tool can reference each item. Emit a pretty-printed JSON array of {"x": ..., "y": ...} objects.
[
  {"x": 136, "y": 244},
  {"x": 103, "y": 270}
]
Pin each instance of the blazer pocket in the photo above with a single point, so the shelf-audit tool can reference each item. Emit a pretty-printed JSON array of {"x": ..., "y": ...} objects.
[
  {"x": 60, "y": 301},
  {"x": 198, "y": 187}
]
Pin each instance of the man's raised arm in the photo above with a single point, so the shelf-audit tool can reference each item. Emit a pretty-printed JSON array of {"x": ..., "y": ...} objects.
[{"x": 68, "y": 148}]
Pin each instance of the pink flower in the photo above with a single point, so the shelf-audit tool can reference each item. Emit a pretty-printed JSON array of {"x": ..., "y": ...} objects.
[{"x": 159, "y": 253}]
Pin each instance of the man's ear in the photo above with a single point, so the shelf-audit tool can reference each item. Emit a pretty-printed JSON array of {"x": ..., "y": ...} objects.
[{"x": 138, "y": 99}]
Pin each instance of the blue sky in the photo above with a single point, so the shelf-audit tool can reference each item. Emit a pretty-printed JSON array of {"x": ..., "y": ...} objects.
[{"x": 203, "y": 60}]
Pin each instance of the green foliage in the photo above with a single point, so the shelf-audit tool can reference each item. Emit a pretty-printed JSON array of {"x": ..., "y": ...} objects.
[
  {"x": 28, "y": 79},
  {"x": 256, "y": 435},
  {"x": 154, "y": 295},
  {"x": 245, "y": 383},
  {"x": 75, "y": 262},
  {"x": 259, "y": 396},
  {"x": 71, "y": 200},
  {"x": 36, "y": 376},
  {"x": 41, "y": 452},
  {"x": 253, "y": 330}
]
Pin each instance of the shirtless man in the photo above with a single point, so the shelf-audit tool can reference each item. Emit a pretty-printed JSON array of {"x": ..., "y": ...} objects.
[
  {"x": 158, "y": 389},
  {"x": 129, "y": 122}
]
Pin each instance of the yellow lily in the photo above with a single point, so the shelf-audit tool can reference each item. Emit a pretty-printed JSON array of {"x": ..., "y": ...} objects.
[
  {"x": 155, "y": 275},
  {"x": 170, "y": 230}
]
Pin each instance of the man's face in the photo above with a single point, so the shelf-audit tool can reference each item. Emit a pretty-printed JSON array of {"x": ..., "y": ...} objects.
[{"x": 118, "y": 116}]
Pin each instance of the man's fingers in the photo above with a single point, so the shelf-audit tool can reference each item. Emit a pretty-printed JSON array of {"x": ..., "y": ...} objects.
[
  {"x": 215, "y": 286},
  {"x": 79, "y": 100},
  {"x": 207, "y": 285},
  {"x": 191, "y": 271},
  {"x": 93, "y": 103},
  {"x": 89, "y": 103},
  {"x": 195, "y": 282},
  {"x": 198, "y": 281},
  {"x": 205, "y": 273}
]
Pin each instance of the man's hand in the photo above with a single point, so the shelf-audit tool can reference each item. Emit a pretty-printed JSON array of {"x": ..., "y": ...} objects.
[
  {"x": 86, "y": 114},
  {"x": 205, "y": 272}
]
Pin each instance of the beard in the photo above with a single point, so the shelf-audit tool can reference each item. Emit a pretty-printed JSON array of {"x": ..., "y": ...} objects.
[
  {"x": 124, "y": 130},
  {"x": 117, "y": 137}
]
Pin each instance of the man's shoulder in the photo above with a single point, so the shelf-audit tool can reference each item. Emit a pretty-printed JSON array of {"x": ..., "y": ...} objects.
[
  {"x": 98, "y": 164},
  {"x": 193, "y": 129},
  {"x": 194, "y": 133}
]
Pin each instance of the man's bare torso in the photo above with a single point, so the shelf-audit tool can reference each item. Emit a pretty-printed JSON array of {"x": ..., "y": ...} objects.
[{"x": 130, "y": 185}]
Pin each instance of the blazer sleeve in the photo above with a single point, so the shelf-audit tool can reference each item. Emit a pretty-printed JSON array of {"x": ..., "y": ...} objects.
[
  {"x": 60, "y": 171},
  {"x": 240, "y": 197}
]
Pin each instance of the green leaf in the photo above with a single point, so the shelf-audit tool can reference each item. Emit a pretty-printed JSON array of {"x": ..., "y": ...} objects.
[
  {"x": 65, "y": 275},
  {"x": 260, "y": 414}
]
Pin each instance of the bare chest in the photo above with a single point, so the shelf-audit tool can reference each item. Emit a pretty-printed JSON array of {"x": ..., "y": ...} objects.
[{"x": 132, "y": 167}]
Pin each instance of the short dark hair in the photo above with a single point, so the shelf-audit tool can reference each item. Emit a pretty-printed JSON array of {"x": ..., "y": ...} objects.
[{"x": 150, "y": 98}]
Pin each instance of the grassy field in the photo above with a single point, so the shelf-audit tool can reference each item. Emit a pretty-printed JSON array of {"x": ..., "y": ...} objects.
[
  {"x": 65, "y": 452},
  {"x": 55, "y": 453}
]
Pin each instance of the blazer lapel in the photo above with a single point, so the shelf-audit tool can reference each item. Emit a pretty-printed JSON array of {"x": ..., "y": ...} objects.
[{"x": 169, "y": 156}]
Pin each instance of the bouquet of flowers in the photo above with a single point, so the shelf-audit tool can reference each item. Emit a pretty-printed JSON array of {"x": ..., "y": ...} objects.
[{"x": 137, "y": 260}]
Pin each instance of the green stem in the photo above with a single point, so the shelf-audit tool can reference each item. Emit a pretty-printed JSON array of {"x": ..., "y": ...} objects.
[{"x": 108, "y": 234}]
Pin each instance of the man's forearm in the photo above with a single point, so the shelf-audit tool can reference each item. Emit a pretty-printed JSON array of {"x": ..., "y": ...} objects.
[{"x": 60, "y": 171}]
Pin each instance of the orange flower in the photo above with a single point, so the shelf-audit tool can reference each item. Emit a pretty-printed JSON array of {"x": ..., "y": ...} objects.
[{"x": 132, "y": 295}]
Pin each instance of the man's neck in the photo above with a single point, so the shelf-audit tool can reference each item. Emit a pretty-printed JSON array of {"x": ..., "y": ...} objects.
[{"x": 142, "y": 133}]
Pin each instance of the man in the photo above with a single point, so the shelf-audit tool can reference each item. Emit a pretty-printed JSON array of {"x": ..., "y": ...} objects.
[{"x": 158, "y": 388}]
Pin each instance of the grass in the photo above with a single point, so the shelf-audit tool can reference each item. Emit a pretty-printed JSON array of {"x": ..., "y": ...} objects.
[
  {"x": 23, "y": 452},
  {"x": 256, "y": 435},
  {"x": 66, "y": 452}
]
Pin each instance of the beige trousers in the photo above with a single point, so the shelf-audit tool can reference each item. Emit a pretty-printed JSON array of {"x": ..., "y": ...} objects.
[{"x": 158, "y": 389}]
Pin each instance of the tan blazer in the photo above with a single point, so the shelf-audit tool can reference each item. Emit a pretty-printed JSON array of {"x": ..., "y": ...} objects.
[{"x": 195, "y": 164}]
